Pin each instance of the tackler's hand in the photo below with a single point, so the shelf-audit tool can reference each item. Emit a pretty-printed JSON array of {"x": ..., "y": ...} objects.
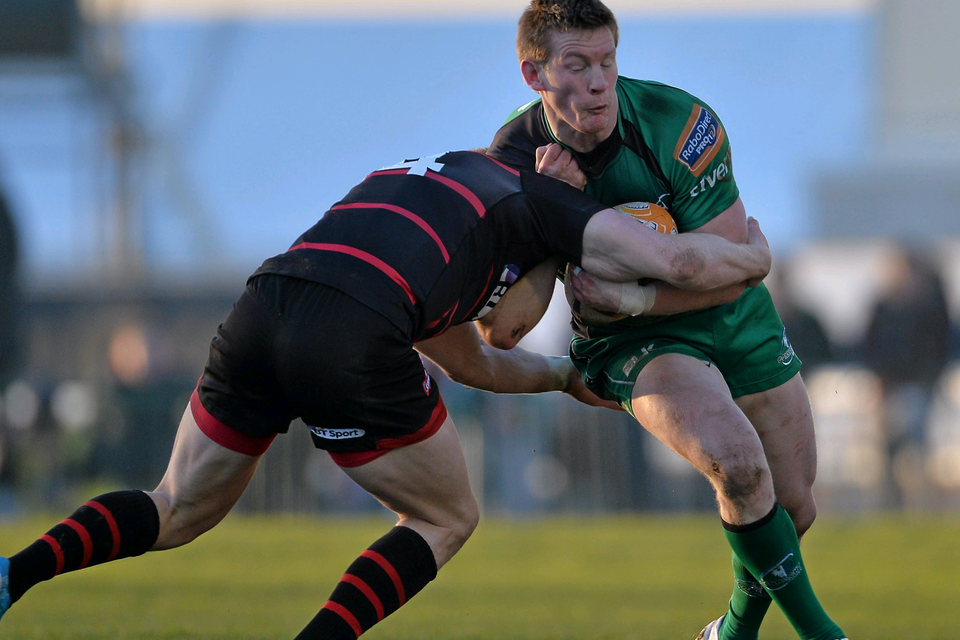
[
  {"x": 556, "y": 162},
  {"x": 594, "y": 292},
  {"x": 756, "y": 238}
]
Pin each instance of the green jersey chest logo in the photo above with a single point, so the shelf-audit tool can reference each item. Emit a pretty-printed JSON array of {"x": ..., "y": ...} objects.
[{"x": 700, "y": 141}]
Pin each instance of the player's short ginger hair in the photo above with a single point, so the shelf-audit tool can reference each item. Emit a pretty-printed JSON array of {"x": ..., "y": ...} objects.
[{"x": 544, "y": 16}]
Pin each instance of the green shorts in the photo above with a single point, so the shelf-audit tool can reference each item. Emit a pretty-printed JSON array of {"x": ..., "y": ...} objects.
[{"x": 744, "y": 339}]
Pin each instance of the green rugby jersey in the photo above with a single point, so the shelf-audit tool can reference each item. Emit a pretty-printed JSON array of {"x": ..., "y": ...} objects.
[{"x": 668, "y": 147}]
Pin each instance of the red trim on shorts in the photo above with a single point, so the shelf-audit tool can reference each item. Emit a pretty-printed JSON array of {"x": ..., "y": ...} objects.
[
  {"x": 224, "y": 435},
  {"x": 112, "y": 523},
  {"x": 390, "y": 571},
  {"x": 57, "y": 551},
  {"x": 365, "y": 589},
  {"x": 344, "y": 613},
  {"x": 357, "y": 458},
  {"x": 84, "y": 538}
]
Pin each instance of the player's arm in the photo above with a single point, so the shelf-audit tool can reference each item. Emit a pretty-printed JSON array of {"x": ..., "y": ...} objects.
[
  {"x": 616, "y": 248},
  {"x": 664, "y": 299},
  {"x": 466, "y": 359},
  {"x": 731, "y": 224},
  {"x": 521, "y": 307}
]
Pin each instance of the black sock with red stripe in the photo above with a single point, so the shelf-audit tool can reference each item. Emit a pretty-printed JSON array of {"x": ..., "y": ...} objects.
[
  {"x": 114, "y": 525},
  {"x": 393, "y": 570}
]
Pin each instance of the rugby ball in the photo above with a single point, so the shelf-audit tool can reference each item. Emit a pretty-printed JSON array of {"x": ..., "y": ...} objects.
[
  {"x": 650, "y": 214},
  {"x": 647, "y": 213}
]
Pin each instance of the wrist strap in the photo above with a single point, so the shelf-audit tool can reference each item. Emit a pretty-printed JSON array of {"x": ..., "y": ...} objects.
[{"x": 636, "y": 299}]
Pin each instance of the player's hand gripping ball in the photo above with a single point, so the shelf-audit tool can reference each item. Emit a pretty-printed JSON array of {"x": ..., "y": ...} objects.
[{"x": 647, "y": 213}]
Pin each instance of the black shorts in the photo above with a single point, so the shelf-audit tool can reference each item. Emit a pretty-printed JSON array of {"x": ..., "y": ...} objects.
[{"x": 290, "y": 349}]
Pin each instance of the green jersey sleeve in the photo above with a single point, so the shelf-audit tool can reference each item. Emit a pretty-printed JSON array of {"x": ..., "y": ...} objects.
[{"x": 691, "y": 146}]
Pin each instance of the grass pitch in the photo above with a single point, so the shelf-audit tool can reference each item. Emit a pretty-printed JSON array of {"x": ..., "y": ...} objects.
[{"x": 621, "y": 578}]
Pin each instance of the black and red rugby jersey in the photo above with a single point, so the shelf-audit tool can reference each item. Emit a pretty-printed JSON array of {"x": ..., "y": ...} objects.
[{"x": 437, "y": 241}]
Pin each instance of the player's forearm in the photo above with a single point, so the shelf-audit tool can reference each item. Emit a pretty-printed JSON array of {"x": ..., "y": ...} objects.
[
  {"x": 615, "y": 248},
  {"x": 670, "y": 300},
  {"x": 519, "y": 371},
  {"x": 715, "y": 262}
]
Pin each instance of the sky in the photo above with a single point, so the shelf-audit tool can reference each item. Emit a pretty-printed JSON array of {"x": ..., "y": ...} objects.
[{"x": 262, "y": 125}]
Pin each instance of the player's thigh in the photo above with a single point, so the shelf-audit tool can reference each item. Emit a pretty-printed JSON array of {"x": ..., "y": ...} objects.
[
  {"x": 784, "y": 422},
  {"x": 202, "y": 482},
  {"x": 427, "y": 482},
  {"x": 686, "y": 404}
]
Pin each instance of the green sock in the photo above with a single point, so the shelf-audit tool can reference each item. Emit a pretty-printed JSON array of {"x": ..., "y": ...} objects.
[
  {"x": 770, "y": 550},
  {"x": 748, "y": 605}
]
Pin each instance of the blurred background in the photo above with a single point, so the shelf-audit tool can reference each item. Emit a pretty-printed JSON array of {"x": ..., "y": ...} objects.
[{"x": 153, "y": 153}]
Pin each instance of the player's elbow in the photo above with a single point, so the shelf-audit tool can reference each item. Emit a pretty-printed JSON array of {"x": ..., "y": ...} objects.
[
  {"x": 501, "y": 337},
  {"x": 687, "y": 269}
]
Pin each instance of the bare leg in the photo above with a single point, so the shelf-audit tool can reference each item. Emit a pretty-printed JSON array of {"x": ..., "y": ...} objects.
[
  {"x": 427, "y": 486},
  {"x": 686, "y": 404},
  {"x": 202, "y": 483},
  {"x": 784, "y": 422}
]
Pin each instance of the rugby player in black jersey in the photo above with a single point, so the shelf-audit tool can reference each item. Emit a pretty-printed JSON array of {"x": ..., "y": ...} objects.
[{"x": 330, "y": 331}]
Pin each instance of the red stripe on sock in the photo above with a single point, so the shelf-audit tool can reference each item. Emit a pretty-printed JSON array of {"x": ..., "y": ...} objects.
[
  {"x": 348, "y": 617},
  {"x": 112, "y": 523},
  {"x": 57, "y": 551},
  {"x": 365, "y": 589},
  {"x": 84, "y": 538},
  {"x": 386, "y": 566}
]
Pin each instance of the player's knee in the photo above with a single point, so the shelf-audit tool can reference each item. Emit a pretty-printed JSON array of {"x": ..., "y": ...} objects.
[
  {"x": 467, "y": 521},
  {"x": 802, "y": 510},
  {"x": 461, "y": 525},
  {"x": 742, "y": 481},
  {"x": 182, "y": 522}
]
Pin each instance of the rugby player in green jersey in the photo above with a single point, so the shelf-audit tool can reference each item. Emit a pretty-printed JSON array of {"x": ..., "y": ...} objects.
[{"x": 720, "y": 387}]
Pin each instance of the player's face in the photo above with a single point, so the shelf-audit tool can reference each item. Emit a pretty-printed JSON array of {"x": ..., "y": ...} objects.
[{"x": 579, "y": 84}]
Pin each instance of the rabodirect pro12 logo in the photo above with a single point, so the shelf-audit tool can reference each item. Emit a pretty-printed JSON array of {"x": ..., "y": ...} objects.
[{"x": 700, "y": 141}]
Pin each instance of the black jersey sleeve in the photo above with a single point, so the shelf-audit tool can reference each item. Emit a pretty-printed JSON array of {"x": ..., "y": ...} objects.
[
  {"x": 516, "y": 142},
  {"x": 561, "y": 211}
]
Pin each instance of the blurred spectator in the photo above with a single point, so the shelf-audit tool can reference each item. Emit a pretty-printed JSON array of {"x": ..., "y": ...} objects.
[
  {"x": 804, "y": 328},
  {"x": 907, "y": 346}
]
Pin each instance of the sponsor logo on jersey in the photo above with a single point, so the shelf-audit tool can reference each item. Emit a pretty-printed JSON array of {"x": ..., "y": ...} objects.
[
  {"x": 719, "y": 173},
  {"x": 786, "y": 349},
  {"x": 782, "y": 574},
  {"x": 700, "y": 141},
  {"x": 510, "y": 274},
  {"x": 337, "y": 434}
]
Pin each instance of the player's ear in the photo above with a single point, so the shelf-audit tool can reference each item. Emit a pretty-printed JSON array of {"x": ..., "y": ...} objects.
[{"x": 531, "y": 72}]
